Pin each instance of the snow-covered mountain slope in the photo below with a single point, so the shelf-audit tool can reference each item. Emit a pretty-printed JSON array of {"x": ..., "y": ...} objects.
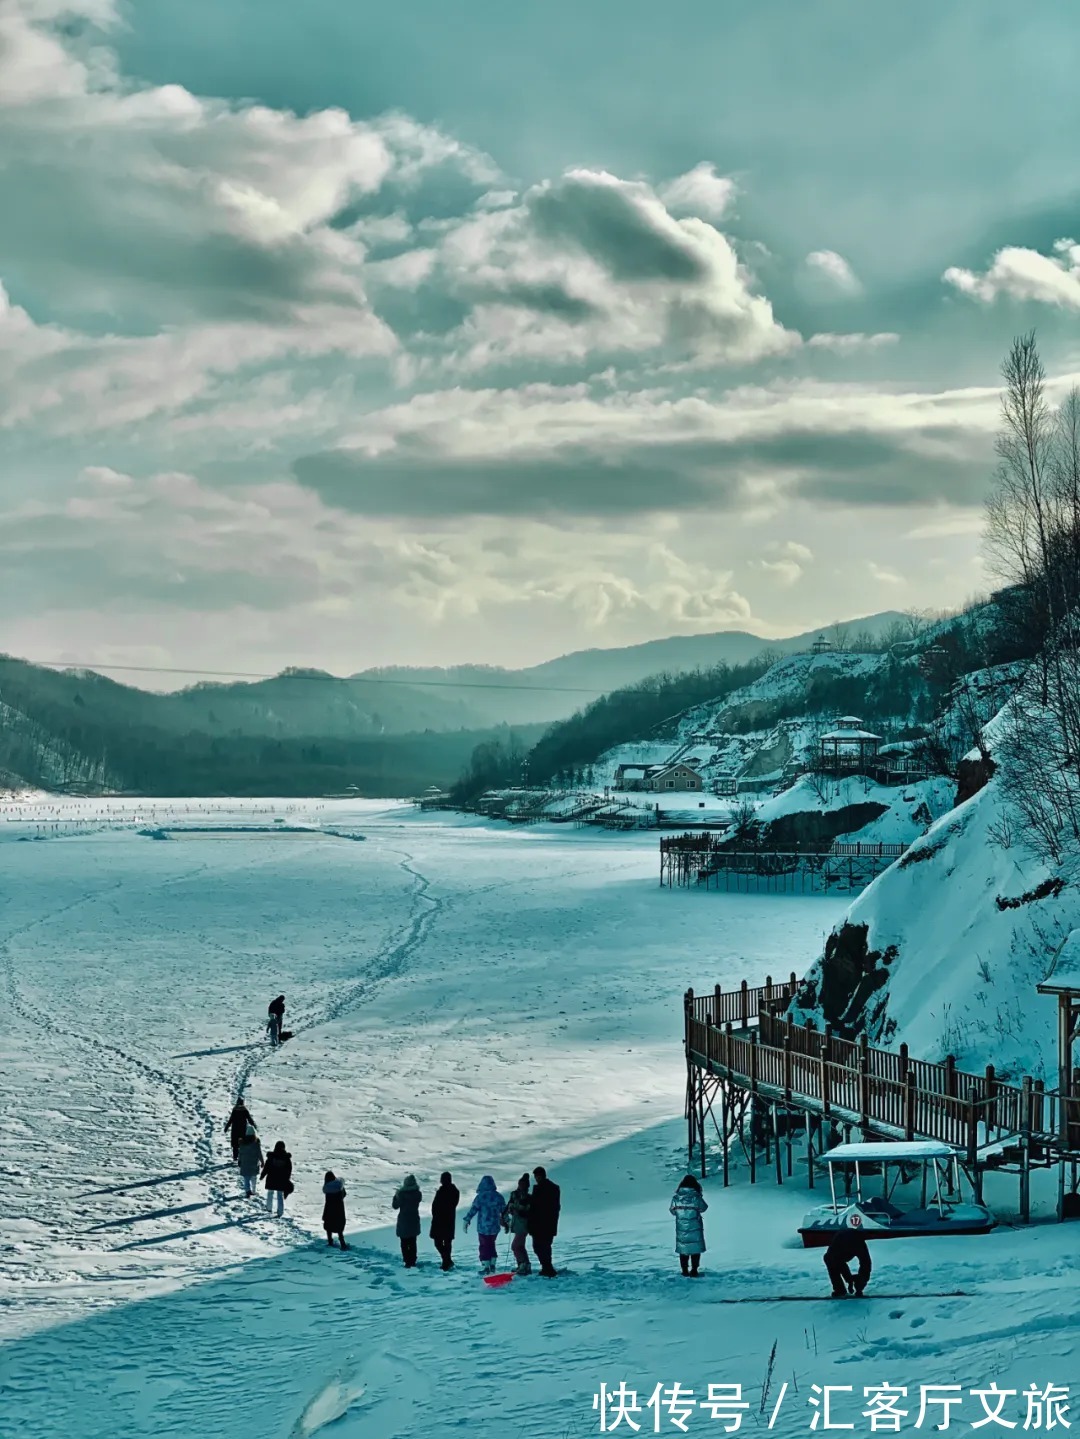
[{"x": 944, "y": 949}]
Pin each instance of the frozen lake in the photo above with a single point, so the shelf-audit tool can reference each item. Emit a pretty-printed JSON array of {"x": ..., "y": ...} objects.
[{"x": 463, "y": 996}]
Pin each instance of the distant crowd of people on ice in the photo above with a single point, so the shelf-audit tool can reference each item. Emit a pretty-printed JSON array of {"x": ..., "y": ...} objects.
[{"x": 531, "y": 1211}]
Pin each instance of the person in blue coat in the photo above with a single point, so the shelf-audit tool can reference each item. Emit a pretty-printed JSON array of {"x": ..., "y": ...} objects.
[
  {"x": 688, "y": 1206},
  {"x": 487, "y": 1209}
]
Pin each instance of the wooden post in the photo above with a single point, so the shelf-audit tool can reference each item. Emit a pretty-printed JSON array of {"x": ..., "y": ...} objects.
[
  {"x": 991, "y": 1092},
  {"x": 701, "y": 1122},
  {"x": 787, "y": 1069},
  {"x": 1025, "y": 1150},
  {"x": 688, "y": 1010},
  {"x": 776, "y": 1142},
  {"x": 753, "y": 1105},
  {"x": 744, "y": 1005},
  {"x": 809, "y": 1149},
  {"x": 768, "y": 992},
  {"x": 718, "y": 1004},
  {"x": 824, "y": 1078},
  {"x": 904, "y": 1063},
  {"x": 973, "y": 1136},
  {"x": 909, "y": 1105},
  {"x": 793, "y": 983},
  {"x": 724, "y": 1128},
  {"x": 864, "y": 1080},
  {"x": 950, "y": 1075}
]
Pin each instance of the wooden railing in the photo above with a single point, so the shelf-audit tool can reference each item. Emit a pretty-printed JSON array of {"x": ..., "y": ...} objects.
[{"x": 875, "y": 1087}]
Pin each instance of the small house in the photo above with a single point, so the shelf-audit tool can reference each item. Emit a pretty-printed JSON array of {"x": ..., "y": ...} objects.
[
  {"x": 674, "y": 777},
  {"x": 633, "y": 776}
]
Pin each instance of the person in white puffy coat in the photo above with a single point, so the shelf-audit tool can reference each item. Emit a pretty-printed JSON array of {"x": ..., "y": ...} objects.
[{"x": 688, "y": 1205}]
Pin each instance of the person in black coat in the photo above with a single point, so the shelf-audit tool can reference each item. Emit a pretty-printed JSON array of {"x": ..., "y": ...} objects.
[
  {"x": 237, "y": 1124},
  {"x": 544, "y": 1219},
  {"x": 444, "y": 1218},
  {"x": 333, "y": 1214},
  {"x": 848, "y": 1245},
  {"x": 277, "y": 1171}
]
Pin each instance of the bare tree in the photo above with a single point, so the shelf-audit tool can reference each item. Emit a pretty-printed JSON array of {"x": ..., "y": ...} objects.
[{"x": 840, "y": 635}]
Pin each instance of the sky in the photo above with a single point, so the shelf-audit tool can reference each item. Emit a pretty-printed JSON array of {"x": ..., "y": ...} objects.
[{"x": 346, "y": 335}]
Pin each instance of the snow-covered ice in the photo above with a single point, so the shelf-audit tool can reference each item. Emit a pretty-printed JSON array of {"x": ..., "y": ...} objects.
[{"x": 465, "y": 996}]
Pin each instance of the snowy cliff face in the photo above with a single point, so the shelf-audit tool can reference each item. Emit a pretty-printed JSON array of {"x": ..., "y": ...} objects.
[{"x": 944, "y": 950}]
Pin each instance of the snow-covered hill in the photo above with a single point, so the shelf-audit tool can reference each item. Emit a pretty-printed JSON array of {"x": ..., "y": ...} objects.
[{"x": 944, "y": 949}]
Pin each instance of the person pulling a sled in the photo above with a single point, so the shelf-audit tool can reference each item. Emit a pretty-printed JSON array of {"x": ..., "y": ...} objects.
[
  {"x": 275, "y": 1022},
  {"x": 487, "y": 1209},
  {"x": 407, "y": 1203},
  {"x": 688, "y": 1205},
  {"x": 333, "y": 1214},
  {"x": 250, "y": 1159},
  {"x": 443, "y": 1217},
  {"x": 544, "y": 1208},
  {"x": 237, "y": 1125},
  {"x": 848, "y": 1245},
  {"x": 516, "y": 1221}
]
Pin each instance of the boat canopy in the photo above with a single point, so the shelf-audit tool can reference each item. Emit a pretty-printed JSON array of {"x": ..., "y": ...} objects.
[{"x": 888, "y": 1152}]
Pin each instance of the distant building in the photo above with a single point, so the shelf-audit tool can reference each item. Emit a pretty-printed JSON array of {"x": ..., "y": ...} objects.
[
  {"x": 633, "y": 776},
  {"x": 821, "y": 646},
  {"x": 678, "y": 777}
]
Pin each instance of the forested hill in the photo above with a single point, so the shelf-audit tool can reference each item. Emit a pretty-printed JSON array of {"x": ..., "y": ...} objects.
[
  {"x": 910, "y": 668},
  {"x": 296, "y": 735}
]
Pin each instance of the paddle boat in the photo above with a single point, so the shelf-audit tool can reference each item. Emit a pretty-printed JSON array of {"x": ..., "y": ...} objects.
[{"x": 876, "y": 1216}]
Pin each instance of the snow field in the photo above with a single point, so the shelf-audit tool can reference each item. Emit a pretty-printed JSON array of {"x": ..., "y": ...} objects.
[{"x": 464, "y": 996}]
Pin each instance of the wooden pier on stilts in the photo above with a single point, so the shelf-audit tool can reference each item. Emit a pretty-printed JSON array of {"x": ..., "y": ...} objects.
[{"x": 765, "y": 1082}]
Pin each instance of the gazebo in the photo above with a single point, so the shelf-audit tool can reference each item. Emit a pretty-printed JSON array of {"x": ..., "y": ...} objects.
[
  {"x": 847, "y": 747},
  {"x": 1064, "y": 981},
  {"x": 821, "y": 646}
]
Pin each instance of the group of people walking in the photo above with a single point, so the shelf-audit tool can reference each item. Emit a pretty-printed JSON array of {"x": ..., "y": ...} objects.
[{"x": 531, "y": 1212}]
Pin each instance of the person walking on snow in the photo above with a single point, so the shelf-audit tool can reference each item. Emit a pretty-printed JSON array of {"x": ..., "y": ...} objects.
[
  {"x": 443, "y": 1216},
  {"x": 846, "y": 1246},
  {"x": 275, "y": 1019},
  {"x": 237, "y": 1124},
  {"x": 250, "y": 1159},
  {"x": 333, "y": 1214},
  {"x": 407, "y": 1203},
  {"x": 277, "y": 1171},
  {"x": 487, "y": 1209},
  {"x": 544, "y": 1207},
  {"x": 516, "y": 1220},
  {"x": 688, "y": 1206}
]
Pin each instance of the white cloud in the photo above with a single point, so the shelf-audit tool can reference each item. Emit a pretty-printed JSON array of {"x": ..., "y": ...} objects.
[
  {"x": 589, "y": 265},
  {"x": 1023, "y": 274},
  {"x": 786, "y": 561},
  {"x": 701, "y": 191},
  {"x": 883, "y": 574},
  {"x": 827, "y": 264},
  {"x": 849, "y": 344}
]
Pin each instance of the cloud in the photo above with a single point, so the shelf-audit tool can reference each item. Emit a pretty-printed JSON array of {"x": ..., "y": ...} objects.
[
  {"x": 591, "y": 265},
  {"x": 1022, "y": 274},
  {"x": 701, "y": 192},
  {"x": 786, "y": 561},
  {"x": 833, "y": 268},
  {"x": 849, "y": 344},
  {"x": 135, "y": 203},
  {"x": 884, "y": 575},
  {"x": 543, "y": 448}
]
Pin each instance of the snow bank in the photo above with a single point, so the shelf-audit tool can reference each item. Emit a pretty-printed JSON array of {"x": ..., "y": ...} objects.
[{"x": 944, "y": 949}]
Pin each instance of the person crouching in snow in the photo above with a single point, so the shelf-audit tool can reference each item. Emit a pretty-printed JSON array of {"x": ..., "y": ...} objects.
[
  {"x": 847, "y": 1246},
  {"x": 277, "y": 1171},
  {"x": 407, "y": 1203},
  {"x": 487, "y": 1209},
  {"x": 249, "y": 1156},
  {"x": 688, "y": 1206},
  {"x": 516, "y": 1221},
  {"x": 333, "y": 1214}
]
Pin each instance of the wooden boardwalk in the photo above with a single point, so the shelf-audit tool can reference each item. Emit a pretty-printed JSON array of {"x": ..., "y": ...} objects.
[
  {"x": 705, "y": 859},
  {"x": 743, "y": 1050}
]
